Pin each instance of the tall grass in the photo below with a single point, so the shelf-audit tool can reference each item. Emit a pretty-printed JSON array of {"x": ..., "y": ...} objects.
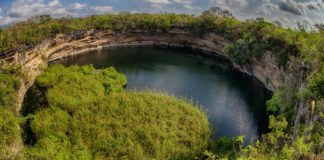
[{"x": 85, "y": 119}]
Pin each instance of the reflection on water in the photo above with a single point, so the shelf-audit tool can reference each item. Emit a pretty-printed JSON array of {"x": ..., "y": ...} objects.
[{"x": 234, "y": 103}]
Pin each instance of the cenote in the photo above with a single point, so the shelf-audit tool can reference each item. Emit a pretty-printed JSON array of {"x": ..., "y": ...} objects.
[{"x": 234, "y": 102}]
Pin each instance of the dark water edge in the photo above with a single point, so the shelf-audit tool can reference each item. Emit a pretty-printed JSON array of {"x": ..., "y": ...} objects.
[{"x": 233, "y": 101}]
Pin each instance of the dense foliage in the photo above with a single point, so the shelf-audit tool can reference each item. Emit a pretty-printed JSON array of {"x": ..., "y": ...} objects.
[
  {"x": 277, "y": 144},
  {"x": 10, "y": 138},
  {"x": 90, "y": 116}
]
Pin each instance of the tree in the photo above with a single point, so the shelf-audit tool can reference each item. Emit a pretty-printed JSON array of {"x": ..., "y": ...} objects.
[
  {"x": 302, "y": 26},
  {"x": 218, "y": 12},
  {"x": 319, "y": 27},
  {"x": 40, "y": 19}
]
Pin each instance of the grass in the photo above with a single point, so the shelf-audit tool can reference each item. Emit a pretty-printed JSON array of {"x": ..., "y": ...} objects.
[
  {"x": 90, "y": 116},
  {"x": 10, "y": 133}
]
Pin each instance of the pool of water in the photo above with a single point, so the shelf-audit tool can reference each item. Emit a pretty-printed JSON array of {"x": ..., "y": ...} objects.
[{"x": 234, "y": 102}]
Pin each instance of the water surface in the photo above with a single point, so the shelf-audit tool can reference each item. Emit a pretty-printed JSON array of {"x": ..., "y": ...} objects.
[{"x": 234, "y": 103}]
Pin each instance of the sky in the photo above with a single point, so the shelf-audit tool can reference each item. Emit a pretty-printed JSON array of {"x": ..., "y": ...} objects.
[{"x": 286, "y": 12}]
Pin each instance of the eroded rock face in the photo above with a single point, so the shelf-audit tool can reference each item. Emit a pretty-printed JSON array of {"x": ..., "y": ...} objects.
[
  {"x": 34, "y": 61},
  {"x": 265, "y": 70}
]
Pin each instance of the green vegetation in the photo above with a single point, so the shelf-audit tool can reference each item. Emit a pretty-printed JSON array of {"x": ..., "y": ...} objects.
[
  {"x": 277, "y": 144},
  {"x": 250, "y": 38},
  {"x": 90, "y": 116},
  {"x": 316, "y": 84},
  {"x": 10, "y": 138},
  {"x": 83, "y": 113}
]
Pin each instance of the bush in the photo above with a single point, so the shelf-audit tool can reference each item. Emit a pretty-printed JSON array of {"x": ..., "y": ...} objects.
[
  {"x": 316, "y": 84},
  {"x": 10, "y": 133},
  {"x": 10, "y": 139},
  {"x": 8, "y": 86}
]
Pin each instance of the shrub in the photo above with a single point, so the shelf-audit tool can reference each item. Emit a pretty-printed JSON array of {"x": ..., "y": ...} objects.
[
  {"x": 10, "y": 139},
  {"x": 316, "y": 84}
]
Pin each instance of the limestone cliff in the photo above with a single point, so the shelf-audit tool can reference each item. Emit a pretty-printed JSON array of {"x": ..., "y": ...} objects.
[{"x": 33, "y": 61}]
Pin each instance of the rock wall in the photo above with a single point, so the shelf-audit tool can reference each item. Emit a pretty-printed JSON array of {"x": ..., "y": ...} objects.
[{"x": 35, "y": 60}]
